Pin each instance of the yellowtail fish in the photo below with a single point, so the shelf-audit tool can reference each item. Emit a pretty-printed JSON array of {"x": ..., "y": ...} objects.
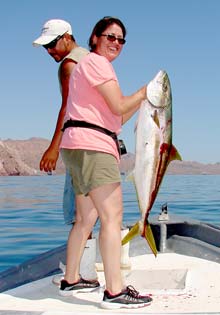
[{"x": 153, "y": 152}]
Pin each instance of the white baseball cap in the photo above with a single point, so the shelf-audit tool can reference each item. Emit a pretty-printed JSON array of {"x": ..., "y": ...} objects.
[{"x": 51, "y": 29}]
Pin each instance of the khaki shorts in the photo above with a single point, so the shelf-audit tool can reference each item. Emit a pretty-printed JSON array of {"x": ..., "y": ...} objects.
[{"x": 90, "y": 169}]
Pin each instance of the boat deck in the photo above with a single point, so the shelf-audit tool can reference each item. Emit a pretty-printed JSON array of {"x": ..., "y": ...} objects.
[{"x": 178, "y": 284}]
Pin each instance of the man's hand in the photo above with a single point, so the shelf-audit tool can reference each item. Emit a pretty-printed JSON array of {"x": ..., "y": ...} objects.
[{"x": 49, "y": 160}]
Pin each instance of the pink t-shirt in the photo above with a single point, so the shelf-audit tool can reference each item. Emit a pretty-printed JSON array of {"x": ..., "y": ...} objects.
[{"x": 85, "y": 103}]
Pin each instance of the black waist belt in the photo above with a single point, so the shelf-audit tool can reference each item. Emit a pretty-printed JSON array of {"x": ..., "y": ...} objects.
[{"x": 84, "y": 124}]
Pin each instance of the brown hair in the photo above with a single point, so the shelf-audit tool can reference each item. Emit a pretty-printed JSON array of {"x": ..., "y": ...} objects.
[{"x": 101, "y": 26}]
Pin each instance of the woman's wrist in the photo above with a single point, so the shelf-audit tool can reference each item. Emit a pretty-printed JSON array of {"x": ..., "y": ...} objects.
[{"x": 144, "y": 92}]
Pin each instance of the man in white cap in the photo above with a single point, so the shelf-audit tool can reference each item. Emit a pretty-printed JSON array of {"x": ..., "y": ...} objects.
[{"x": 56, "y": 37}]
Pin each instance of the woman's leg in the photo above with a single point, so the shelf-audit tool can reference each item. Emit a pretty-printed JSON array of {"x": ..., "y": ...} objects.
[
  {"x": 86, "y": 216},
  {"x": 107, "y": 200}
]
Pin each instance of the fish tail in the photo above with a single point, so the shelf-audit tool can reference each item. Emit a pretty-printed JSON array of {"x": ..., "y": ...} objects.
[
  {"x": 148, "y": 234},
  {"x": 134, "y": 231}
]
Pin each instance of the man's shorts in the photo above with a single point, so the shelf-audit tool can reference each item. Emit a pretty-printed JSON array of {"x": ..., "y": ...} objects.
[
  {"x": 69, "y": 207},
  {"x": 90, "y": 169}
]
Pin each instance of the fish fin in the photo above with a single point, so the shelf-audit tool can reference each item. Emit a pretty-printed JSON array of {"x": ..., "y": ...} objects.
[
  {"x": 130, "y": 177},
  {"x": 134, "y": 231},
  {"x": 174, "y": 154},
  {"x": 135, "y": 126},
  {"x": 150, "y": 238},
  {"x": 156, "y": 119}
]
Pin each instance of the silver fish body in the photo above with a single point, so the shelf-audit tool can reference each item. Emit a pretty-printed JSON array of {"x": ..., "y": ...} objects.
[{"x": 154, "y": 151}]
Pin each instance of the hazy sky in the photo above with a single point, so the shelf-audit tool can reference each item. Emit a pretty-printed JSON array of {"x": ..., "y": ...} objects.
[{"x": 182, "y": 37}]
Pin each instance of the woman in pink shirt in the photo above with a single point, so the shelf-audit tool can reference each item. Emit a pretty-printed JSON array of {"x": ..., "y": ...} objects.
[{"x": 96, "y": 109}]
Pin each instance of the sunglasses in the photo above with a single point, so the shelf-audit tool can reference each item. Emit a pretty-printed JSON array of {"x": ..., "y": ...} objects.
[
  {"x": 53, "y": 43},
  {"x": 113, "y": 38}
]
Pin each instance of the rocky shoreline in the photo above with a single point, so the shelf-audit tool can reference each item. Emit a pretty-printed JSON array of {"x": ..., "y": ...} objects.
[{"x": 21, "y": 158}]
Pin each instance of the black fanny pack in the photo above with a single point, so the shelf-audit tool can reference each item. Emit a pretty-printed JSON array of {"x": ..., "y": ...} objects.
[{"x": 84, "y": 124}]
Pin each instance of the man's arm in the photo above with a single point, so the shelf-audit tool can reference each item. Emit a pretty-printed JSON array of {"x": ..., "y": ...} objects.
[{"x": 50, "y": 156}]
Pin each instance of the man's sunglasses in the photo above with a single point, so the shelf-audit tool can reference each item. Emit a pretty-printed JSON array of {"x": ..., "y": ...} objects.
[
  {"x": 53, "y": 43},
  {"x": 113, "y": 38}
]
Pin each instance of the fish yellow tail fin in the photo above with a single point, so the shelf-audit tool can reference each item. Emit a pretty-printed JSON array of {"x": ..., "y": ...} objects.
[
  {"x": 150, "y": 238},
  {"x": 134, "y": 231},
  {"x": 148, "y": 234}
]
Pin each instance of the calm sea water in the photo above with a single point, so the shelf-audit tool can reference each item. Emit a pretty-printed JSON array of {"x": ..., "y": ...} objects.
[{"x": 31, "y": 219}]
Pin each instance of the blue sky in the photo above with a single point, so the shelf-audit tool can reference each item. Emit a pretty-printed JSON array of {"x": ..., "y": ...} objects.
[{"x": 182, "y": 37}]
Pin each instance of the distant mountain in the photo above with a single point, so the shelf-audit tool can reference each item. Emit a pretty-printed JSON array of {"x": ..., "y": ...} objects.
[
  {"x": 22, "y": 157},
  {"x": 176, "y": 167}
]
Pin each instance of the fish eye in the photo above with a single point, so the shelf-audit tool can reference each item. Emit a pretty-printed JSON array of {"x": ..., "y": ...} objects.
[{"x": 165, "y": 87}]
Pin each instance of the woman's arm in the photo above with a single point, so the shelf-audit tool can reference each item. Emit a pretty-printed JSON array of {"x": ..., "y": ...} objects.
[{"x": 121, "y": 105}]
